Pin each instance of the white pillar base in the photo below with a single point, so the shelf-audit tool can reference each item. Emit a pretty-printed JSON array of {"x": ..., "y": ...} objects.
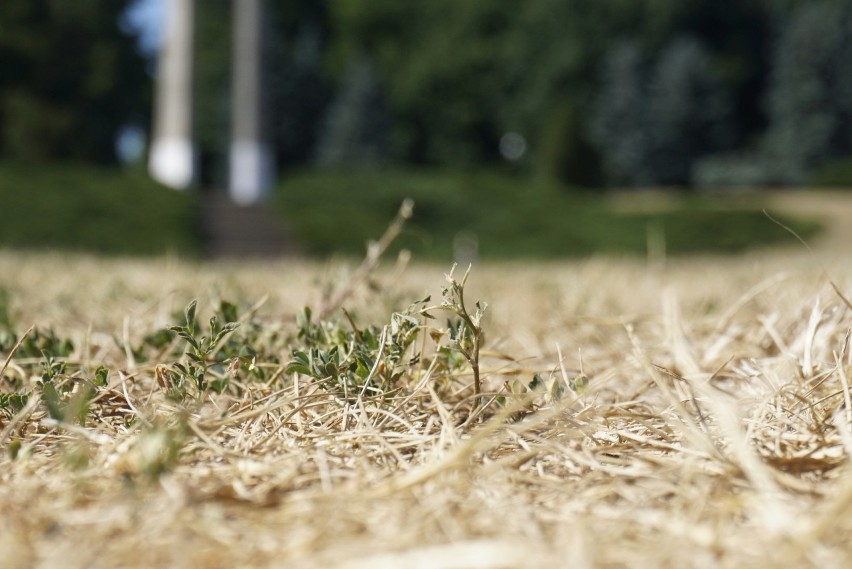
[
  {"x": 251, "y": 172},
  {"x": 172, "y": 162}
]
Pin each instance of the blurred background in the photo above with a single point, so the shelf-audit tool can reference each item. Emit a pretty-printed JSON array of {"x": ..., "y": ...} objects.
[{"x": 538, "y": 129}]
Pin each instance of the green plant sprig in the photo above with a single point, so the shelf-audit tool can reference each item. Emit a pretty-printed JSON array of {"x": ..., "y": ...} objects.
[
  {"x": 356, "y": 361},
  {"x": 200, "y": 350},
  {"x": 466, "y": 334}
]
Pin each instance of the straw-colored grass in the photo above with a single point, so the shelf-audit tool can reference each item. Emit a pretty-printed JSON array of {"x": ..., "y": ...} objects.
[{"x": 714, "y": 433}]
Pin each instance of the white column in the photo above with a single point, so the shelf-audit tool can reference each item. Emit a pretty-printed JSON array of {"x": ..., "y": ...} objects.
[
  {"x": 251, "y": 161},
  {"x": 172, "y": 157}
]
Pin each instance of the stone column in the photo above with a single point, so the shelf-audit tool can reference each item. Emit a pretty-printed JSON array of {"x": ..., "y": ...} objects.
[
  {"x": 251, "y": 163},
  {"x": 172, "y": 157}
]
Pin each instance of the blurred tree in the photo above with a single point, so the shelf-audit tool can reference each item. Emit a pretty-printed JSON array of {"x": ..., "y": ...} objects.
[
  {"x": 355, "y": 130},
  {"x": 461, "y": 76},
  {"x": 447, "y": 80},
  {"x": 297, "y": 89},
  {"x": 736, "y": 36},
  {"x": 566, "y": 152},
  {"x": 810, "y": 101},
  {"x": 553, "y": 69},
  {"x": 71, "y": 79},
  {"x": 212, "y": 89},
  {"x": 567, "y": 44},
  {"x": 688, "y": 111},
  {"x": 655, "y": 118},
  {"x": 442, "y": 62},
  {"x": 620, "y": 122}
]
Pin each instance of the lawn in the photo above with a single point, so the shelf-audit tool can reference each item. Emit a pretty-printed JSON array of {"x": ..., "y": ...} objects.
[
  {"x": 101, "y": 210},
  {"x": 510, "y": 217},
  {"x": 491, "y": 215},
  {"x": 633, "y": 414},
  {"x": 161, "y": 411}
]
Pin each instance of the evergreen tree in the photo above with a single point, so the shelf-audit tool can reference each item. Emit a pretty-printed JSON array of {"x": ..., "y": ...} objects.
[
  {"x": 443, "y": 67},
  {"x": 810, "y": 101},
  {"x": 355, "y": 131},
  {"x": 620, "y": 123},
  {"x": 655, "y": 118},
  {"x": 297, "y": 92},
  {"x": 688, "y": 111}
]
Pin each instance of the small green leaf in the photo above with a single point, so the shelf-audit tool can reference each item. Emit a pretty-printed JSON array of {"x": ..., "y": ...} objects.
[
  {"x": 579, "y": 384},
  {"x": 189, "y": 338},
  {"x": 226, "y": 329},
  {"x": 53, "y": 401},
  {"x": 294, "y": 367},
  {"x": 301, "y": 357},
  {"x": 101, "y": 376},
  {"x": 536, "y": 383},
  {"x": 12, "y": 403},
  {"x": 331, "y": 369},
  {"x": 189, "y": 314},
  {"x": 303, "y": 318}
]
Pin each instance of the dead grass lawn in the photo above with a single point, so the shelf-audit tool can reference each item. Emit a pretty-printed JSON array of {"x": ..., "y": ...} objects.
[{"x": 715, "y": 431}]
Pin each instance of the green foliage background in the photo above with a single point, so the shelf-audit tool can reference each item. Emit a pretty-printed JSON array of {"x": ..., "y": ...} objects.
[
  {"x": 509, "y": 217},
  {"x": 604, "y": 92},
  {"x": 712, "y": 94},
  {"x": 371, "y": 102},
  {"x": 94, "y": 209},
  {"x": 70, "y": 79}
]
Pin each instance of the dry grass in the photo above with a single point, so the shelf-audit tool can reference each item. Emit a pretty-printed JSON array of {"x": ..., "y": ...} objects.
[{"x": 715, "y": 431}]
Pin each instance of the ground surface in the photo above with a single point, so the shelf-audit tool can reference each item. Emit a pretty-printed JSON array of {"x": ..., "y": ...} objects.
[
  {"x": 834, "y": 208},
  {"x": 714, "y": 432}
]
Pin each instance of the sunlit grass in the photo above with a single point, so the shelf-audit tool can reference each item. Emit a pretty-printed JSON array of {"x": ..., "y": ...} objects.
[{"x": 712, "y": 416}]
